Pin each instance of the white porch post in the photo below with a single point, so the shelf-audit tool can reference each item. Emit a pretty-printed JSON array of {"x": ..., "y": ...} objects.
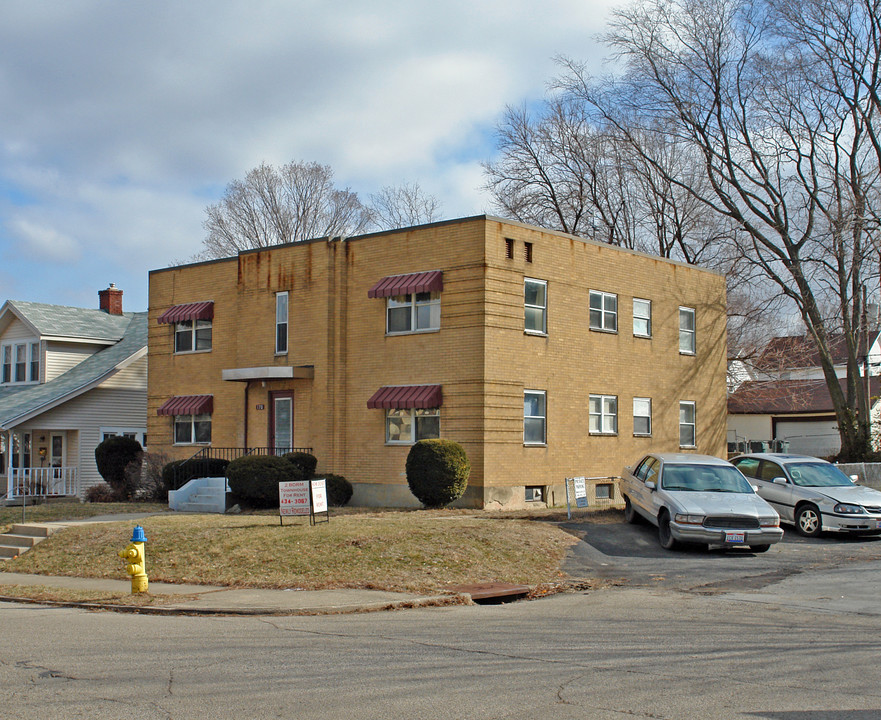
[{"x": 8, "y": 467}]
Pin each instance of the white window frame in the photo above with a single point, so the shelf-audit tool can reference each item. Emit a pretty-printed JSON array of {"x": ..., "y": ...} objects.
[
  {"x": 138, "y": 433},
  {"x": 686, "y": 423},
  {"x": 645, "y": 318},
  {"x": 415, "y": 423},
  {"x": 282, "y": 313},
  {"x": 193, "y": 328},
  {"x": 30, "y": 363},
  {"x": 416, "y": 302},
  {"x": 535, "y": 419},
  {"x": 639, "y": 404},
  {"x": 192, "y": 421},
  {"x": 687, "y": 336},
  {"x": 607, "y": 318},
  {"x": 542, "y": 309},
  {"x": 603, "y": 414}
]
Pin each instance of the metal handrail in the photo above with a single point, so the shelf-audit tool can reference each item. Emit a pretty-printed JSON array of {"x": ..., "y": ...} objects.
[{"x": 229, "y": 454}]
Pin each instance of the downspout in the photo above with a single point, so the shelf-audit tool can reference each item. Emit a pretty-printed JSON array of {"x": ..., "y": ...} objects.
[{"x": 247, "y": 397}]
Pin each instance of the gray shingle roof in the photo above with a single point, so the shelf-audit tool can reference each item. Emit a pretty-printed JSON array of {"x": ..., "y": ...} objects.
[
  {"x": 64, "y": 321},
  {"x": 24, "y": 402}
]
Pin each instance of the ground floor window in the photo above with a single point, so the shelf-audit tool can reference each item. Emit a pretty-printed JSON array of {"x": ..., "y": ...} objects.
[
  {"x": 409, "y": 425},
  {"x": 135, "y": 433},
  {"x": 603, "y": 414},
  {"x": 191, "y": 429},
  {"x": 534, "y": 417},
  {"x": 687, "y": 425}
]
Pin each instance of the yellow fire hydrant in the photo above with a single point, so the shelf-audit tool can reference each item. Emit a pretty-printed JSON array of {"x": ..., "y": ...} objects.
[{"x": 136, "y": 560}]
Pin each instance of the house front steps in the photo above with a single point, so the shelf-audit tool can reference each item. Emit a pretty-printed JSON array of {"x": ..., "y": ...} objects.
[
  {"x": 201, "y": 495},
  {"x": 23, "y": 537}
]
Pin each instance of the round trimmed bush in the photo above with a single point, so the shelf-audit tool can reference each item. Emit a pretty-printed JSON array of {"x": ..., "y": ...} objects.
[
  {"x": 254, "y": 479},
  {"x": 303, "y": 460},
  {"x": 339, "y": 490},
  {"x": 112, "y": 457},
  {"x": 437, "y": 472}
]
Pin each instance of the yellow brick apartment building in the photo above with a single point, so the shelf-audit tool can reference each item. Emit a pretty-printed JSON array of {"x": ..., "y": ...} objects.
[{"x": 545, "y": 355}]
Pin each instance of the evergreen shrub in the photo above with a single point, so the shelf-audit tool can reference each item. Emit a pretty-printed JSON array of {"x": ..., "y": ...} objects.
[{"x": 437, "y": 472}]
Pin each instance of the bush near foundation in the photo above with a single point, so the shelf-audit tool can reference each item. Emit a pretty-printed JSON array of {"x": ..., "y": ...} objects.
[
  {"x": 339, "y": 490},
  {"x": 437, "y": 472},
  {"x": 112, "y": 457},
  {"x": 303, "y": 460},
  {"x": 254, "y": 479}
]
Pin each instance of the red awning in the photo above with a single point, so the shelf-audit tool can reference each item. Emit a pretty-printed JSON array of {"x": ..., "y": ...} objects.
[
  {"x": 187, "y": 405},
  {"x": 431, "y": 281},
  {"x": 190, "y": 311},
  {"x": 402, "y": 397}
]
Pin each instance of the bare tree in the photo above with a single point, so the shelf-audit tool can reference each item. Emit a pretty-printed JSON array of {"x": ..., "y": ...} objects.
[
  {"x": 784, "y": 154},
  {"x": 403, "y": 206},
  {"x": 295, "y": 202}
]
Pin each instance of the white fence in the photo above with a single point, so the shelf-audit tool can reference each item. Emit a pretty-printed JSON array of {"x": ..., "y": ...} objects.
[
  {"x": 43, "y": 482},
  {"x": 594, "y": 493}
]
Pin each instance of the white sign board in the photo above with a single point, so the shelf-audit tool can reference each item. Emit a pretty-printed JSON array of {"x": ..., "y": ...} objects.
[
  {"x": 319, "y": 495},
  {"x": 580, "y": 492},
  {"x": 293, "y": 497}
]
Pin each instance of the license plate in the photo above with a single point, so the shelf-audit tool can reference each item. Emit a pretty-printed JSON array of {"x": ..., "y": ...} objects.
[{"x": 735, "y": 537}]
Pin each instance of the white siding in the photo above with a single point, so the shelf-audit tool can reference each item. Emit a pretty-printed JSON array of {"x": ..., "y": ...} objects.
[
  {"x": 17, "y": 330},
  {"x": 133, "y": 377},
  {"x": 97, "y": 408},
  {"x": 61, "y": 357}
]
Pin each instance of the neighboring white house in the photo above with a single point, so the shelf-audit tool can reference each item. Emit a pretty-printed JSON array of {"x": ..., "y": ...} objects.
[
  {"x": 69, "y": 378},
  {"x": 781, "y": 399}
]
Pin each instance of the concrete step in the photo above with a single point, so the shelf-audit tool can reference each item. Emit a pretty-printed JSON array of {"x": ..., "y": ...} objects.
[
  {"x": 41, "y": 530},
  {"x": 198, "y": 507},
  {"x": 19, "y": 540}
]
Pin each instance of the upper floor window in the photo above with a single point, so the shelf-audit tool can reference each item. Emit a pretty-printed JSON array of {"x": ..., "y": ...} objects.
[
  {"x": 686, "y": 331},
  {"x": 192, "y": 335},
  {"x": 687, "y": 424},
  {"x": 603, "y": 311},
  {"x": 281, "y": 323},
  {"x": 534, "y": 417},
  {"x": 416, "y": 312},
  {"x": 642, "y": 317},
  {"x": 535, "y": 293},
  {"x": 603, "y": 413},
  {"x": 20, "y": 363}
]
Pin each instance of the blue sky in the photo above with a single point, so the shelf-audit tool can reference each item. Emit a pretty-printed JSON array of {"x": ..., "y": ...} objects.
[{"x": 122, "y": 120}]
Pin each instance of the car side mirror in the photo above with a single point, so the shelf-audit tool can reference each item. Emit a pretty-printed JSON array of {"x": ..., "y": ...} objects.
[
  {"x": 855, "y": 479},
  {"x": 779, "y": 481},
  {"x": 651, "y": 485},
  {"x": 754, "y": 487}
]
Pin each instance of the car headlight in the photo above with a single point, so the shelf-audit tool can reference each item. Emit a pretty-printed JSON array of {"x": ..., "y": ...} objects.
[
  {"x": 770, "y": 521},
  {"x": 686, "y": 519},
  {"x": 848, "y": 509}
]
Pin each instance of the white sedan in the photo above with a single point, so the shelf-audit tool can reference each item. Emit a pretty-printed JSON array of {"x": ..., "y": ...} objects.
[
  {"x": 813, "y": 494},
  {"x": 698, "y": 499}
]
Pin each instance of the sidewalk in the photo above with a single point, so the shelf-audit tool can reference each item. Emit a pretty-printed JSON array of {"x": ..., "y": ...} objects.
[{"x": 218, "y": 600}]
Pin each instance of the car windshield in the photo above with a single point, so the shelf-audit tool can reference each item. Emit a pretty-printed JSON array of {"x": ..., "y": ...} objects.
[
  {"x": 816, "y": 474},
  {"x": 704, "y": 478}
]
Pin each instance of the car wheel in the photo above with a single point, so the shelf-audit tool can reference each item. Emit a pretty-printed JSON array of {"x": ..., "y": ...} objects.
[
  {"x": 808, "y": 521},
  {"x": 630, "y": 515},
  {"x": 665, "y": 536},
  {"x": 759, "y": 548}
]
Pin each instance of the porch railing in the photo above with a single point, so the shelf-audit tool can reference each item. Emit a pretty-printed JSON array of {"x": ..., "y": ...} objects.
[
  {"x": 199, "y": 462},
  {"x": 43, "y": 482}
]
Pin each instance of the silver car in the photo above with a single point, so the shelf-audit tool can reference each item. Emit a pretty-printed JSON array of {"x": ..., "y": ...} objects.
[
  {"x": 698, "y": 499},
  {"x": 813, "y": 494}
]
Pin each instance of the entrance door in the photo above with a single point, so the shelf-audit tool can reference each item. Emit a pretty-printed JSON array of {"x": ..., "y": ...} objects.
[{"x": 281, "y": 425}]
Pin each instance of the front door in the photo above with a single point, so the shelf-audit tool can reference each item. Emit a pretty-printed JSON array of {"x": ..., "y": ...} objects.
[{"x": 281, "y": 422}]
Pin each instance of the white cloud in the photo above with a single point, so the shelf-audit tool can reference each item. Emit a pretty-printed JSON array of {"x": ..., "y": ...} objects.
[{"x": 38, "y": 241}]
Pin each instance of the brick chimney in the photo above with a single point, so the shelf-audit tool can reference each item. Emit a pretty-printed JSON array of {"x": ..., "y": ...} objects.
[{"x": 110, "y": 300}]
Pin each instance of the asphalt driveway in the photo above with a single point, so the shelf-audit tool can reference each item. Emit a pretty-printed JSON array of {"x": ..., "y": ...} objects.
[{"x": 630, "y": 555}]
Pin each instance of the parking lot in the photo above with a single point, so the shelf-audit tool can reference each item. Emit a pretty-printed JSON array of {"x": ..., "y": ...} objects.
[{"x": 630, "y": 554}]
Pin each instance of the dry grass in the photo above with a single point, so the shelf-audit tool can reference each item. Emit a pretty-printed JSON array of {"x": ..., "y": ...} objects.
[
  {"x": 51, "y": 511},
  {"x": 410, "y": 551}
]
